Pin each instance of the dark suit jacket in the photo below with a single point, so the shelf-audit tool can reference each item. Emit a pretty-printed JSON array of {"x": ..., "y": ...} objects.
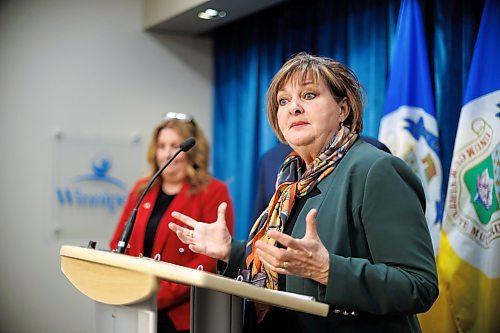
[
  {"x": 269, "y": 165},
  {"x": 371, "y": 219}
]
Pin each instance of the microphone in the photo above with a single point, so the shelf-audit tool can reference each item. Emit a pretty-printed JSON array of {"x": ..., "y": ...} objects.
[
  {"x": 127, "y": 232},
  {"x": 187, "y": 144}
]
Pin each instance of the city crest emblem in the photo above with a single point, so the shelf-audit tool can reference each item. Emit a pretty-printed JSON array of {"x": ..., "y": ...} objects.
[
  {"x": 480, "y": 182},
  {"x": 473, "y": 198}
]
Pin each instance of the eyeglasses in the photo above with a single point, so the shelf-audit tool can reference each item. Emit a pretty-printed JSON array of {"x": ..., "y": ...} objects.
[
  {"x": 258, "y": 280},
  {"x": 179, "y": 116}
]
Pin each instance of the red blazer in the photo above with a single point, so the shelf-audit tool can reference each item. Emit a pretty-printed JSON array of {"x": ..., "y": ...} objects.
[{"x": 201, "y": 206}]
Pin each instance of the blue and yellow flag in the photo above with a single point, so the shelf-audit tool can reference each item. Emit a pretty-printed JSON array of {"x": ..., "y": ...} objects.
[
  {"x": 409, "y": 127},
  {"x": 469, "y": 257}
]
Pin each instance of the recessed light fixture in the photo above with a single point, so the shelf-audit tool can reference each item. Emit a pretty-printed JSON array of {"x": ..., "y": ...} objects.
[{"x": 211, "y": 14}]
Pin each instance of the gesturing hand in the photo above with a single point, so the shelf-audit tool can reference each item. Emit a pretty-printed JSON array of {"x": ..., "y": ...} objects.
[
  {"x": 306, "y": 257},
  {"x": 211, "y": 239}
]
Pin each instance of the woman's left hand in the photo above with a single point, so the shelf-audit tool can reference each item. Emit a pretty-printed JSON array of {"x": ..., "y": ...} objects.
[{"x": 306, "y": 257}]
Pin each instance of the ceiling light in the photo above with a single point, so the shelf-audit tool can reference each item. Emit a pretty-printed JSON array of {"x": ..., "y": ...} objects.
[{"x": 211, "y": 14}]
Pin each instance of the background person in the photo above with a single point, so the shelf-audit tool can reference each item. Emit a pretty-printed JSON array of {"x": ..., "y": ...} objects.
[
  {"x": 346, "y": 224},
  {"x": 184, "y": 186}
]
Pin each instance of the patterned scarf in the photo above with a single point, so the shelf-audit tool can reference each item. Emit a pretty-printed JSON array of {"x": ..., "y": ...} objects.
[{"x": 292, "y": 182}]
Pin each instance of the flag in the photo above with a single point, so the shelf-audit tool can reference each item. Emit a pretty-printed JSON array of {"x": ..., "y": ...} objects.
[
  {"x": 408, "y": 126},
  {"x": 469, "y": 257}
]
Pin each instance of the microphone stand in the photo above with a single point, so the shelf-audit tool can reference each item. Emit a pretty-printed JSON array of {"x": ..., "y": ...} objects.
[{"x": 127, "y": 232}]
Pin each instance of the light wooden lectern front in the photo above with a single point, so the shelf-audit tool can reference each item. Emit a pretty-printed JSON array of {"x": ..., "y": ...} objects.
[{"x": 124, "y": 288}]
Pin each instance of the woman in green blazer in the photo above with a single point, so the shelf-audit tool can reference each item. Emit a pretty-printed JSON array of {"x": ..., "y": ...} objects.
[{"x": 346, "y": 224}]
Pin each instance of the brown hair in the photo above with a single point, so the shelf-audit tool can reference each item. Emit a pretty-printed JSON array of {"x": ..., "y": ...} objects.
[
  {"x": 339, "y": 78},
  {"x": 197, "y": 170}
]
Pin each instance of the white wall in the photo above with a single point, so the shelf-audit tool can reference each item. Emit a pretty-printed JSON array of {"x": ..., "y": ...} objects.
[{"x": 87, "y": 68}]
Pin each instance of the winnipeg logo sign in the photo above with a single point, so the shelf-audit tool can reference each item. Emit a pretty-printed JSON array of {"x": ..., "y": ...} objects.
[{"x": 94, "y": 190}]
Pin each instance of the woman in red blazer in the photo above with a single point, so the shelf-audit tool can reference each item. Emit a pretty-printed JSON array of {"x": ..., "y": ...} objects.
[{"x": 184, "y": 186}]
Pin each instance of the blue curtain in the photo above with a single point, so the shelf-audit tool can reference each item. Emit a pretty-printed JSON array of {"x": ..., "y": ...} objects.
[{"x": 359, "y": 33}]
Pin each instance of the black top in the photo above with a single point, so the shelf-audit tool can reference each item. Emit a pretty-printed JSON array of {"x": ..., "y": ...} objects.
[{"x": 161, "y": 205}]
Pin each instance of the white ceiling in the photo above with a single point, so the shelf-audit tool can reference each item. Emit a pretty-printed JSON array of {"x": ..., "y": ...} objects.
[{"x": 181, "y": 16}]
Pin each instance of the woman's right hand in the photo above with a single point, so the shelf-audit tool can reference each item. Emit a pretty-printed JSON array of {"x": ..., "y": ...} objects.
[{"x": 210, "y": 239}]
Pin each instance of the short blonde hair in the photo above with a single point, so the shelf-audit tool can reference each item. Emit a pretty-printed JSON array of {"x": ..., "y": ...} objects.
[
  {"x": 339, "y": 78},
  {"x": 198, "y": 156}
]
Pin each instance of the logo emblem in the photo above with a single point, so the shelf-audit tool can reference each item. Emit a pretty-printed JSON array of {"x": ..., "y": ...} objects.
[
  {"x": 473, "y": 195},
  {"x": 479, "y": 181},
  {"x": 94, "y": 190},
  {"x": 100, "y": 167}
]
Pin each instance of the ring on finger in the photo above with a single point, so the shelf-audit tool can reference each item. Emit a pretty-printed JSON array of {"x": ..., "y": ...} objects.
[{"x": 284, "y": 265}]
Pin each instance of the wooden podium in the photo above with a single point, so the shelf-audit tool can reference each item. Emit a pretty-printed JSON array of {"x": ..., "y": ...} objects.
[{"x": 124, "y": 288}]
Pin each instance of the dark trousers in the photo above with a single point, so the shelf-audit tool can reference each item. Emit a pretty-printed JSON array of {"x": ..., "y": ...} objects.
[{"x": 165, "y": 325}]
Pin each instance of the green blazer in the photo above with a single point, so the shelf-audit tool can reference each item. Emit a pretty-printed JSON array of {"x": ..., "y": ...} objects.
[{"x": 371, "y": 218}]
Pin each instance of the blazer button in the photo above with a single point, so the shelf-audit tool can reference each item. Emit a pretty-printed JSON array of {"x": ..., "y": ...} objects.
[
  {"x": 181, "y": 250},
  {"x": 146, "y": 205}
]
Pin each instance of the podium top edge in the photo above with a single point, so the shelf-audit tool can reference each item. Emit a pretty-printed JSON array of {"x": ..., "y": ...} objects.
[{"x": 197, "y": 278}]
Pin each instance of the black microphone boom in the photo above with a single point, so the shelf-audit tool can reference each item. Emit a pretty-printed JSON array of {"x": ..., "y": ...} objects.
[
  {"x": 127, "y": 232},
  {"x": 187, "y": 144}
]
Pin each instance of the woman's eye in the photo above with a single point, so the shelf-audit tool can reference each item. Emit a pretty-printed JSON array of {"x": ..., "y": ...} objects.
[
  {"x": 309, "y": 95},
  {"x": 282, "y": 101}
]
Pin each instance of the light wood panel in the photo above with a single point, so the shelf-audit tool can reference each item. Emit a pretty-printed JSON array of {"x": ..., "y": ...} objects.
[{"x": 108, "y": 284}]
